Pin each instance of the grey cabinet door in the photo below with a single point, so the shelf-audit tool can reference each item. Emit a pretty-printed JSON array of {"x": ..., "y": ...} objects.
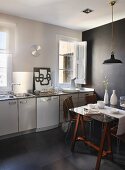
[
  {"x": 27, "y": 114},
  {"x": 47, "y": 112},
  {"x": 8, "y": 117}
]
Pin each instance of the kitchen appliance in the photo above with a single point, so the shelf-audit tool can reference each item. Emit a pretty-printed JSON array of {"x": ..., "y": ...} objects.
[
  {"x": 47, "y": 112},
  {"x": 122, "y": 101}
]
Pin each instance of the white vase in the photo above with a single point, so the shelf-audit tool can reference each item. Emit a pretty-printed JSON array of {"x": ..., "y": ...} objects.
[
  {"x": 113, "y": 99},
  {"x": 106, "y": 97}
]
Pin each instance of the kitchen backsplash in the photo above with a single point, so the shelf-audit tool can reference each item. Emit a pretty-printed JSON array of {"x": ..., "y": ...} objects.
[{"x": 25, "y": 79}]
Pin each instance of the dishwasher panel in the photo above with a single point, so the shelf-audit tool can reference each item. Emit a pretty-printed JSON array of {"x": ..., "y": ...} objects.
[{"x": 47, "y": 112}]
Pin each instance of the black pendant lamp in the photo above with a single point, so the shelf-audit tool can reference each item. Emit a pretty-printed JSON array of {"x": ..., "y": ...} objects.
[{"x": 112, "y": 60}]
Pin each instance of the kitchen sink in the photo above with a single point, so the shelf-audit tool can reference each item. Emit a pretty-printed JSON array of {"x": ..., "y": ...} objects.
[
  {"x": 23, "y": 95},
  {"x": 85, "y": 89},
  {"x": 70, "y": 90},
  {"x": 6, "y": 96},
  {"x": 13, "y": 96}
]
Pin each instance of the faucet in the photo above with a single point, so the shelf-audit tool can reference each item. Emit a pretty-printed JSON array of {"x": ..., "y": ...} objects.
[
  {"x": 73, "y": 82},
  {"x": 12, "y": 87}
]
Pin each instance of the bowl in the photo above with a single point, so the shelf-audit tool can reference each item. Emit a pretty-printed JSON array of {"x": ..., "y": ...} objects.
[{"x": 100, "y": 104}]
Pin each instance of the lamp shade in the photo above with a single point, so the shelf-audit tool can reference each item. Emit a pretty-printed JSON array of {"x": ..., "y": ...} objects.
[{"x": 112, "y": 60}]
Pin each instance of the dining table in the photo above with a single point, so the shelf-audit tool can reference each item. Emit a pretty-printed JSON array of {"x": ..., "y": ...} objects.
[{"x": 107, "y": 116}]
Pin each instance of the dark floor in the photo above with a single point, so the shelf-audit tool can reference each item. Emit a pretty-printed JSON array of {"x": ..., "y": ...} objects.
[{"x": 48, "y": 151}]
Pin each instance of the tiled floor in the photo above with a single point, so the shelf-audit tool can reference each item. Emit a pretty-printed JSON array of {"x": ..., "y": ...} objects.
[{"x": 48, "y": 151}]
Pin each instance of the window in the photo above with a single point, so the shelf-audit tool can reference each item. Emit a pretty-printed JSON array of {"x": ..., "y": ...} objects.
[
  {"x": 5, "y": 71},
  {"x": 6, "y": 48},
  {"x": 66, "y": 61},
  {"x": 72, "y": 61},
  {"x": 3, "y": 40}
]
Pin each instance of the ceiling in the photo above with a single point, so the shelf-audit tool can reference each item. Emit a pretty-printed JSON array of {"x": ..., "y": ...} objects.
[{"x": 66, "y": 13}]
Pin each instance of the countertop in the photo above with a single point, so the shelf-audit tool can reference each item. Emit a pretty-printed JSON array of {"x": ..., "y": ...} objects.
[
  {"x": 46, "y": 94},
  {"x": 42, "y": 94}
]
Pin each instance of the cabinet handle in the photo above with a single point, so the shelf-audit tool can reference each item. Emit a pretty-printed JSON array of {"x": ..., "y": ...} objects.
[
  {"x": 54, "y": 98},
  {"x": 12, "y": 102},
  {"x": 45, "y": 99},
  {"x": 48, "y": 99},
  {"x": 23, "y": 102}
]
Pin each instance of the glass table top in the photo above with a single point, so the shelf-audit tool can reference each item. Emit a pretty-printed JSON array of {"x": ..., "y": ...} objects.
[{"x": 94, "y": 114}]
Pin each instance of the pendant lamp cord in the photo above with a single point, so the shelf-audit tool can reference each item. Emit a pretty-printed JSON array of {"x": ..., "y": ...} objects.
[
  {"x": 112, "y": 31},
  {"x": 112, "y": 4}
]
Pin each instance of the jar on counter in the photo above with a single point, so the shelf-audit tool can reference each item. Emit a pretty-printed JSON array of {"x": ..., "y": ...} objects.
[{"x": 122, "y": 101}]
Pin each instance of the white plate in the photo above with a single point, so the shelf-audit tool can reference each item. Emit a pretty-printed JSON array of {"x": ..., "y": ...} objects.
[
  {"x": 93, "y": 111},
  {"x": 117, "y": 112}
]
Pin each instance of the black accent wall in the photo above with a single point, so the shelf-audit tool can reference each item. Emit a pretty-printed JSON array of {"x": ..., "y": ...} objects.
[{"x": 98, "y": 50}]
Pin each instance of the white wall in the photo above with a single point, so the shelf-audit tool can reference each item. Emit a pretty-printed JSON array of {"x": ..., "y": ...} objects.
[{"x": 28, "y": 33}]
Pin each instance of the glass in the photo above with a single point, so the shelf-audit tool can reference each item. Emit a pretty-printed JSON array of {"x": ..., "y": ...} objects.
[
  {"x": 65, "y": 76},
  {"x": 98, "y": 116},
  {"x": 122, "y": 101},
  {"x": 66, "y": 61},
  {"x": 3, "y": 39},
  {"x": 3, "y": 70}
]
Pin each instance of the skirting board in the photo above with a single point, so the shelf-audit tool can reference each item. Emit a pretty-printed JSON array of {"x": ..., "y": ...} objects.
[{"x": 46, "y": 128}]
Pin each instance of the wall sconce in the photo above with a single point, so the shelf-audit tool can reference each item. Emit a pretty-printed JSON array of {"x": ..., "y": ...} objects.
[{"x": 35, "y": 50}]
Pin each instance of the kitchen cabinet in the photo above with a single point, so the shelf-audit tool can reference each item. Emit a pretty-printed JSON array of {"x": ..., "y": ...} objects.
[
  {"x": 81, "y": 98},
  {"x": 8, "y": 117},
  {"x": 22, "y": 114},
  {"x": 47, "y": 112},
  {"x": 27, "y": 114}
]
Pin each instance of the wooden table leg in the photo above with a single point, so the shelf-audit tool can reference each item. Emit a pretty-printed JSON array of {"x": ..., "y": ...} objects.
[
  {"x": 75, "y": 132},
  {"x": 109, "y": 142},
  {"x": 82, "y": 124},
  {"x": 101, "y": 146}
]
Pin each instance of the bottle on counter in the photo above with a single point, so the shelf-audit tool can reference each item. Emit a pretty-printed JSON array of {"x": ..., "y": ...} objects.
[{"x": 113, "y": 99}]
